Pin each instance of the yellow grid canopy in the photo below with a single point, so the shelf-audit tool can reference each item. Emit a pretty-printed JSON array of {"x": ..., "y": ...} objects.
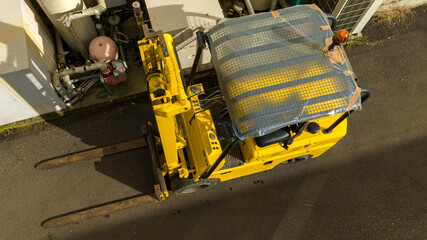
[{"x": 273, "y": 73}]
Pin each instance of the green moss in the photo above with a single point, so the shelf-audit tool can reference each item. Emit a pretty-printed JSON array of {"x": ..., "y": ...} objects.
[{"x": 358, "y": 41}]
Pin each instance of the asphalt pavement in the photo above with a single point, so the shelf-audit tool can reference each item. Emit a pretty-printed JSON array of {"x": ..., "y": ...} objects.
[{"x": 371, "y": 185}]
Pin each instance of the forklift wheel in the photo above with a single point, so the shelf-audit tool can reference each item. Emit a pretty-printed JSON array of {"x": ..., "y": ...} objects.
[
  {"x": 295, "y": 160},
  {"x": 182, "y": 186}
]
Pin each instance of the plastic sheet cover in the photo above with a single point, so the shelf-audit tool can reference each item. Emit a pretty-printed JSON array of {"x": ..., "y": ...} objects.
[{"x": 273, "y": 72}]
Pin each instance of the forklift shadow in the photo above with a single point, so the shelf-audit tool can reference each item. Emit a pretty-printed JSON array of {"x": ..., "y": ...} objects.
[
  {"x": 308, "y": 201},
  {"x": 132, "y": 168},
  {"x": 107, "y": 126}
]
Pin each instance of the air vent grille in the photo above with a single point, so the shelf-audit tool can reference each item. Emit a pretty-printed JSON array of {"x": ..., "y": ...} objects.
[{"x": 350, "y": 12}]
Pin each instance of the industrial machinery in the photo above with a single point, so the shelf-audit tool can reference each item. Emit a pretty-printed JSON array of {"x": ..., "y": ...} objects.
[
  {"x": 94, "y": 44},
  {"x": 283, "y": 91}
]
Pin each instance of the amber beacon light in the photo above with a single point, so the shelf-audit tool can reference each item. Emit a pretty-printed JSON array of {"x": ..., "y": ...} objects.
[{"x": 340, "y": 37}]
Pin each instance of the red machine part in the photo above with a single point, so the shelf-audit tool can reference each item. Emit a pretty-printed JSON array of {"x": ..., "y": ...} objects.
[{"x": 116, "y": 73}]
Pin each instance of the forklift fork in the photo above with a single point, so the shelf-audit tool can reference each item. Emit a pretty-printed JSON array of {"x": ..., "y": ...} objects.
[{"x": 160, "y": 191}]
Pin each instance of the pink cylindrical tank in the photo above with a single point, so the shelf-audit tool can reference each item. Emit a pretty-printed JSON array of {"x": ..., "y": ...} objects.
[{"x": 103, "y": 49}]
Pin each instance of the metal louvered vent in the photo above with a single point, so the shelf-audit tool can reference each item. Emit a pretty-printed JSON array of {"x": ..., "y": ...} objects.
[
  {"x": 352, "y": 11},
  {"x": 327, "y": 6},
  {"x": 351, "y": 14}
]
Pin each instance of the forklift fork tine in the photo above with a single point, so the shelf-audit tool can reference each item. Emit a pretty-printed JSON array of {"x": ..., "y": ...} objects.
[
  {"x": 90, "y": 154},
  {"x": 100, "y": 210}
]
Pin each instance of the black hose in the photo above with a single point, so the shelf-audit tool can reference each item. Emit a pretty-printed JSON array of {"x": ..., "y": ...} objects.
[
  {"x": 366, "y": 93},
  {"x": 221, "y": 157}
]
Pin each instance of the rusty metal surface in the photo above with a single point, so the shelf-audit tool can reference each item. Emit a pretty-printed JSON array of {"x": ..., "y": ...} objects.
[
  {"x": 158, "y": 175},
  {"x": 102, "y": 210},
  {"x": 159, "y": 34},
  {"x": 90, "y": 154}
]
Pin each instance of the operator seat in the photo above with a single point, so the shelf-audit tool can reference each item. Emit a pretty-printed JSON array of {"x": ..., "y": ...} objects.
[{"x": 273, "y": 137}]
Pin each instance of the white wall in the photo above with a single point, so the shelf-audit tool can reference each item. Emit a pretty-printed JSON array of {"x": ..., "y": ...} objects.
[
  {"x": 182, "y": 18},
  {"x": 27, "y": 60}
]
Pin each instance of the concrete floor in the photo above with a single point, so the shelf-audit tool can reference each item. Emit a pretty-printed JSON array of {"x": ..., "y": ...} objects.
[{"x": 371, "y": 185}]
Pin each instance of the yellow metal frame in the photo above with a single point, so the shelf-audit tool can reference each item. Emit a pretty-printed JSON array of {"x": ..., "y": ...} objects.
[
  {"x": 168, "y": 99},
  {"x": 259, "y": 159},
  {"x": 187, "y": 136},
  {"x": 203, "y": 147}
]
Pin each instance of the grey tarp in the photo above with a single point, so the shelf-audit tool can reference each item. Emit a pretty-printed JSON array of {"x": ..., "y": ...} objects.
[{"x": 273, "y": 73}]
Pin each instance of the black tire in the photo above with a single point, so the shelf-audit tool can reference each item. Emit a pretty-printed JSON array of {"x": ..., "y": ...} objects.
[
  {"x": 295, "y": 160},
  {"x": 182, "y": 186}
]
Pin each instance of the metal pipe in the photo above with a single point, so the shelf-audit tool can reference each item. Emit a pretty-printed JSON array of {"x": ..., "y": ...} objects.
[
  {"x": 83, "y": 69},
  {"x": 249, "y": 7},
  {"x": 83, "y": 88},
  {"x": 100, "y": 29},
  {"x": 81, "y": 79},
  {"x": 137, "y": 12},
  {"x": 67, "y": 92},
  {"x": 221, "y": 157},
  {"x": 273, "y": 5},
  {"x": 80, "y": 45},
  {"x": 179, "y": 66},
  {"x": 201, "y": 44},
  {"x": 333, "y": 20},
  {"x": 188, "y": 40},
  {"x": 60, "y": 89},
  {"x": 67, "y": 18},
  {"x": 174, "y": 71},
  {"x": 60, "y": 51},
  {"x": 195, "y": 65},
  {"x": 84, "y": 28},
  {"x": 96, "y": 10},
  {"x": 66, "y": 82},
  {"x": 61, "y": 66},
  {"x": 122, "y": 53},
  {"x": 119, "y": 43},
  {"x": 66, "y": 89},
  {"x": 367, "y": 94},
  {"x": 60, "y": 47}
]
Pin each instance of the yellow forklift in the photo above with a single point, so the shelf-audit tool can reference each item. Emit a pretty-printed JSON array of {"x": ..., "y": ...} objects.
[{"x": 283, "y": 91}]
